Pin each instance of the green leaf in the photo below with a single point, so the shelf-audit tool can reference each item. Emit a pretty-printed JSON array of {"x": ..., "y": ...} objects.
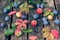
[
  {"x": 12, "y": 4},
  {"x": 30, "y": 6},
  {"x": 18, "y": 2},
  {"x": 46, "y": 13},
  {"x": 8, "y": 7},
  {"x": 28, "y": 30},
  {"x": 8, "y": 32},
  {"x": 14, "y": 26},
  {"x": 52, "y": 13}
]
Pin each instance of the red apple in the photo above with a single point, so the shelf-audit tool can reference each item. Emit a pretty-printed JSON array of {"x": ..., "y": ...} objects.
[
  {"x": 34, "y": 23},
  {"x": 39, "y": 11}
]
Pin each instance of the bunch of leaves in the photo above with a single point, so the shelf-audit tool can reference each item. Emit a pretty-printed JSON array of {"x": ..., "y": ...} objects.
[
  {"x": 21, "y": 24},
  {"x": 46, "y": 13},
  {"x": 25, "y": 7},
  {"x": 8, "y": 32}
]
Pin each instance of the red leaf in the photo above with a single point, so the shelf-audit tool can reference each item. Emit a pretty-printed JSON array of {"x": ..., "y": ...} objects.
[
  {"x": 17, "y": 23},
  {"x": 19, "y": 26},
  {"x": 25, "y": 21},
  {"x": 55, "y": 33},
  {"x": 24, "y": 25},
  {"x": 19, "y": 20},
  {"x": 12, "y": 13},
  {"x": 33, "y": 38}
]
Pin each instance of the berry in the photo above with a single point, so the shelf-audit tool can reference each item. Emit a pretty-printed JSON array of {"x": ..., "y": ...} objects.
[
  {"x": 23, "y": 16},
  {"x": 55, "y": 12},
  {"x": 39, "y": 11},
  {"x": 45, "y": 23},
  {"x": 3, "y": 25},
  {"x": 35, "y": 16},
  {"x": 44, "y": 19},
  {"x": 38, "y": 5},
  {"x": 34, "y": 23},
  {"x": 57, "y": 21},
  {"x": 7, "y": 18}
]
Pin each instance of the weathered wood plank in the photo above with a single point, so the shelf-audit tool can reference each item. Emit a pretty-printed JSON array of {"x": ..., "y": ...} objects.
[
  {"x": 38, "y": 28},
  {"x": 3, "y": 4},
  {"x": 24, "y": 36}
]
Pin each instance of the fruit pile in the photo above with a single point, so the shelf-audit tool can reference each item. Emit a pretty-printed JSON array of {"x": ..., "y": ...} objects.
[{"x": 20, "y": 25}]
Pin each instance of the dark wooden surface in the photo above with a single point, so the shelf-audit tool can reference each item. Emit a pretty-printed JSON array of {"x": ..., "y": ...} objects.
[{"x": 3, "y": 3}]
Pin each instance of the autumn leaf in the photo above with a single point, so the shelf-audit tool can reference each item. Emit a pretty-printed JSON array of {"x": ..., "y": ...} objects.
[
  {"x": 30, "y": 6},
  {"x": 25, "y": 7}
]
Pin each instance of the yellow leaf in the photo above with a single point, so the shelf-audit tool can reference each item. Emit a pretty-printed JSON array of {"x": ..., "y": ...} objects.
[
  {"x": 27, "y": 10},
  {"x": 30, "y": 6},
  {"x": 50, "y": 37}
]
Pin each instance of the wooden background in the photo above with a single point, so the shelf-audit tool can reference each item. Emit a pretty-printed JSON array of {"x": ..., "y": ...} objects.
[{"x": 4, "y": 3}]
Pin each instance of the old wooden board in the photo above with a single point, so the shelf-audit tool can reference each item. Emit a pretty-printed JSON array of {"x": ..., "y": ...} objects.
[
  {"x": 24, "y": 35},
  {"x": 3, "y": 4},
  {"x": 55, "y": 4},
  {"x": 38, "y": 29}
]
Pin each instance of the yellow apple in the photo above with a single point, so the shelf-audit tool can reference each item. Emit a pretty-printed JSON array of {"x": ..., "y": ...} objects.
[
  {"x": 50, "y": 17},
  {"x": 18, "y": 14}
]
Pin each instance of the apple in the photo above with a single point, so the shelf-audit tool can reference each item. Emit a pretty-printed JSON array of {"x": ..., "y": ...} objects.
[
  {"x": 7, "y": 18},
  {"x": 35, "y": 16},
  {"x": 34, "y": 23},
  {"x": 45, "y": 23},
  {"x": 18, "y": 32},
  {"x": 50, "y": 17},
  {"x": 39, "y": 10},
  {"x": 44, "y": 19},
  {"x": 18, "y": 14},
  {"x": 57, "y": 21}
]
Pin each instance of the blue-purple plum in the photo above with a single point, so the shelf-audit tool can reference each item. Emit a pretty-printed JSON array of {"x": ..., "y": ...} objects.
[
  {"x": 36, "y": 16},
  {"x": 44, "y": 19},
  {"x": 7, "y": 18},
  {"x": 57, "y": 21},
  {"x": 38, "y": 5},
  {"x": 16, "y": 5},
  {"x": 41, "y": 5},
  {"x": 55, "y": 12},
  {"x": 3, "y": 24},
  {"x": 5, "y": 10},
  {"x": 45, "y": 23},
  {"x": 23, "y": 16}
]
